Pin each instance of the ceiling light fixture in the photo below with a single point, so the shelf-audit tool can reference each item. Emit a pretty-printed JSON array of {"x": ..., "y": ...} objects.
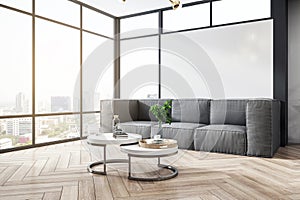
[{"x": 175, "y": 3}]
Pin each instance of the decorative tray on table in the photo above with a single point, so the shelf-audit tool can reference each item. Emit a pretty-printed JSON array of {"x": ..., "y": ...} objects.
[{"x": 158, "y": 144}]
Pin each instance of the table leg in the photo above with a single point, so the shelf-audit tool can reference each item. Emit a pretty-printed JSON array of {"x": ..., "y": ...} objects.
[
  {"x": 129, "y": 166},
  {"x": 104, "y": 162},
  {"x": 104, "y": 159},
  {"x": 173, "y": 170},
  {"x": 158, "y": 162}
]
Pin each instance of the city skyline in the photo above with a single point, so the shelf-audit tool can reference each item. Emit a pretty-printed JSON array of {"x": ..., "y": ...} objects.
[
  {"x": 22, "y": 103},
  {"x": 18, "y": 131}
]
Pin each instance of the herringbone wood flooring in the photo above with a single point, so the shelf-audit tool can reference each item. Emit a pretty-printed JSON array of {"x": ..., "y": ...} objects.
[{"x": 59, "y": 172}]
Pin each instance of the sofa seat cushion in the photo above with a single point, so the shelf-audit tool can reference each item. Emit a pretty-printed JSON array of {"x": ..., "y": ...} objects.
[
  {"x": 182, "y": 132},
  {"x": 221, "y": 138},
  {"x": 139, "y": 127}
]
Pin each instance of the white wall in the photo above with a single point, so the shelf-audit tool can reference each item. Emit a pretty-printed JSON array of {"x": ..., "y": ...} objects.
[{"x": 294, "y": 72}]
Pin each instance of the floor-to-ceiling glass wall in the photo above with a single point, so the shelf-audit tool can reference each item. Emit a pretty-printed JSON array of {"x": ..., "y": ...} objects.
[
  {"x": 97, "y": 67},
  {"x": 46, "y": 95},
  {"x": 15, "y": 77},
  {"x": 218, "y": 49}
]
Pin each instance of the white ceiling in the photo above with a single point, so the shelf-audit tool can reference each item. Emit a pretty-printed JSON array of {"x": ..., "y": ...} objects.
[{"x": 117, "y": 8}]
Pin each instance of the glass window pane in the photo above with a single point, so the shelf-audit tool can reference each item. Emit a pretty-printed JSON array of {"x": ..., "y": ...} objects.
[
  {"x": 57, "y": 67},
  {"x": 91, "y": 124},
  {"x": 140, "y": 25},
  {"x": 59, "y": 10},
  {"x": 228, "y": 11},
  {"x": 54, "y": 128},
  {"x": 139, "y": 68},
  {"x": 90, "y": 43},
  {"x": 97, "y": 70},
  {"x": 240, "y": 57},
  {"x": 16, "y": 63},
  {"x": 187, "y": 17},
  {"x": 15, "y": 132},
  {"x": 25, "y": 5},
  {"x": 98, "y": 23}
]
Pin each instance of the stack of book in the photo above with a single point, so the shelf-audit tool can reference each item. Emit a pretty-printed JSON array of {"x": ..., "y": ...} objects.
[{"x": 120, "y": 134}]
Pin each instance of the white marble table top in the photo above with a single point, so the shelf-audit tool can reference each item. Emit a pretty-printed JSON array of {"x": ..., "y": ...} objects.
[{"x": 108, "y": 139}]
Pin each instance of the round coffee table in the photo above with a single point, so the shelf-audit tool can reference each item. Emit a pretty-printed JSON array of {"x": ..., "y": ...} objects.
[
  {"x": 140, "y": 152},
  {"x": 104, "y": 139}
]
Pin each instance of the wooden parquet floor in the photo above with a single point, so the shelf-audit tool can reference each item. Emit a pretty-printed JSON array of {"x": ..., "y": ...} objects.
[{"x": 59, "y": 172}]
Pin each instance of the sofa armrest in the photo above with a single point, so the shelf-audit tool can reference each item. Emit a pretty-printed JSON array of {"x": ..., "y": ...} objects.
[
  {"x": 263, "y": 127},
  {"x": 126, "y": 109}
]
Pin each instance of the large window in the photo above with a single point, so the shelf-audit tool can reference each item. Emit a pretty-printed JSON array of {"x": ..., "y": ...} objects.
[
  {"x": 16, "y": 63},
  {"x": 98, "y": 71},
  {"x": 203, "y": 60},
  {"x": 57, "y": 67},
  {"x": 41, "y": 63},
  {"x": 15, "y": 79}
]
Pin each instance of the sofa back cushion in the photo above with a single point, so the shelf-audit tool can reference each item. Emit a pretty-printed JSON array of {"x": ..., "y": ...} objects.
[
  {"x": 144, "y": 107},
  {"x": 126, "y": 109},
  {"x": 228, "y": 112},
  {"x": 191, "y": 110}
]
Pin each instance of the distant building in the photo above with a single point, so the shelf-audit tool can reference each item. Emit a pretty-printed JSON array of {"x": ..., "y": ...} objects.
[
  {"x": 18, "y": 126},
  {"x": 60, "y": 103},
  {"x": 22, "y": 105},
  {"x": 44, "y": 123},
  {"x": 2, "y": 127}
]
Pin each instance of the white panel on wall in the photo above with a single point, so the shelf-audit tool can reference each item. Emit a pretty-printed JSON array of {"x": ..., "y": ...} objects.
[
  {"x": 187, "y": 17},
  {"x": 139, "y": 68},
  {"x": 293, "y": 72},
  {"x": 232, "y": 62},
  {"x": 228, "y": 11}
]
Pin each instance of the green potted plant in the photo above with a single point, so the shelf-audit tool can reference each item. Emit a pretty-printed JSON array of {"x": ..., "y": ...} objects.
[{"x": 162, "y": 113}]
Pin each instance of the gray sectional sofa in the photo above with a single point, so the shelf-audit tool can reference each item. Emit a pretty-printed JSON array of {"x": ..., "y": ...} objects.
[{"x": 242, "y": 126}]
